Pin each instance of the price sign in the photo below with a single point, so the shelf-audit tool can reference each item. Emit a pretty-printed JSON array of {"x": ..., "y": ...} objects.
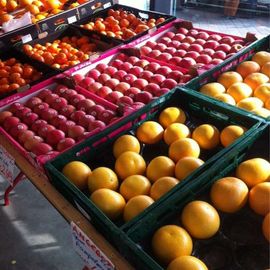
[
  {"x": 26, "y": 38},
  {"x": 72, "y": 19},
  {"x": 88, "y": 251},
  {"x": 8, "y": 168}
]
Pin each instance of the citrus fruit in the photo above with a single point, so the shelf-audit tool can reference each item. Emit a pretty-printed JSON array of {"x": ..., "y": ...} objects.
[
  {"x": 170, "y": 242},
  {"x": 162, "y": 186},
  {"x": 267, "y": 104},
  {"x": 125, "y": 143},
  {"x": 135, "y": 185},
  {"x": 229, "y": 194},
  {"x": 185, "y": 166},
  {"x": 239, "y": 91},
  {"x": 266, "y": 227},
  {"x": 187, "y": 263},
  {"x": 247, "y": 67},
  {"x": 262, "y": 92},
  {"x": 226, "y": 98},
  {"x": 174, "y": 132},
  {"x": 231, "y": 133},
  {"x": 77, "y": 172},
  {"x": 266, "y": 69},
  {"x": 135, "y": 206},
  {"x": 250, "y": 103},
  {"x": 228, "y": 78},
  {"x": 150, "y": 132},
  {"x": 200, "y": 219},
  {"x": 171, "y": 115},
  {"x": 259, "y": 198},
  {"x": 261, "y": 112},
  {"x": 129, "y": 163},
  {"x": 207, "y": 136},
  {"x": 158, "y": 167},
  {"x": 102, "y": 177},
  {"x": 261, "y": 57},
  {"x": 212, "y": 89},
  {"x": 184, "y": 148},
  {"x": 110, "y": 202},
  {"x": 253, "y": 171},
  {"x": 256, "y": 79}
]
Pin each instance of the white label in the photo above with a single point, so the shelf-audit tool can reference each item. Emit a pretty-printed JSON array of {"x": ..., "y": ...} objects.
[
  {"x": 8, "y": 169},
  {"x": 107, "y": 5},
  {"x": 72, "y": 19},
  {"x": 26, "y": 38},
  {"x": 88, "y": 251}
]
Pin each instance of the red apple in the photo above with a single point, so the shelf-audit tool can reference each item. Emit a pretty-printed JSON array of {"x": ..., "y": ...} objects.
[
  {"x": 77, "y": 115},
  {"x": 208, "y": 51},
  {"x": 216, "y": 61},
  {"x": 112, "y": 83},
  {"x": 151, "y": 88},
  {"x": 235, "y": 48},
  {"x": 164, "y": 70},
  {"x": 41, "y": 149},
  {"x": 94, "y": 87},
  {"x": 179, "y": 37},
  {"x": 223, "y": 47},
  {"x": 96, "y": 109},
  {"x": 161, "y": 92},
  {"x": 114, "y": 97},
  {"x": 10, "y": 122},
  {"x": 144, "y": 97},
  {"x": 146, "y": 74},
  {"x": 170, "y": 50},
  {"x": 183, "y": 46},
  {"x": 93, "y": 73},
  {"x": 157, "y": 79},
  {"x": 116, "y": 63},
  {"x": 59, "y": 90},
  {"x": 20, "y": 113},
  {"x": 165, "y": 57},
  {"x": 30, "y": 118},
  {"x": 58, "y": 120},
  {"x": 54, "y": 136},
  {"x": 151, "y": 44},
  {"x": 16, "y": 130},
  {"x": 65, "y": 144},
  {"x": 121, "y": 56},
  {"x": 4, "y": 115},
  {"x": 86, "y": 82},
  {"x": 103, "y": 91},
  {"x": 86, "y": 120},
  {"x": 160, "y": 47},
  {"x": 122, "y": 87},
  {"x": 59, "y": 103},
  {"x": 77, "y": 78},
  {"x": 96, "y": 124},
  {"x": 174, "y": 43},
  {"x": 199, "y": 41},
  {"x": 64, "y": 126},
  {"x": 110, "y": 70},
  {"x": 25, "y": 135},
  {"x": 31, "y": 142},
  {"x": 182, "y": 30},
  {"x": 169, "y": 83},
  {"x": 43, "y": 131},
  {"x": 39, "y": 108},
  {"x": 164, "y": 40},
  {"x": 169, "y": 34},
  {"x": 188, "y": 40},
  {"x": 211, "y": 44},
  {"x": 38, "y": 124},
  {"x": 103, "y": 78},
  {"x": 129, "y": 78},
  {"x": 132, "y": 59},
  {"x": 106, "y": 116},
  {"x": 126, "y": 66},
  {"x": 219, "y": 55},
  {"x": 140, "y": 83},
  {"x": 15, "y": 107},
  {"x": 75, "y": 131},
  {"x": 43, "y": 93},
  {"x": 180, "y": 53},
  {"x": 142, "y": 63},
  {"x": 239, "y": 41},
  {"x": 76, "y": 99},
  {"x": 204, "y": 59},
  {"x": 192, "y": 33},
  {"x": 195, "y": 47},
  {"x": 215, "y": 37},
  {"x": 119, "y": 75},
  {"x": 175, "y": 75},
  {"x": 101, "y": 67},
  {"x": 49, "y": 114},
  {"x": 125, "y": 100},
  {"x": 192, "y": 54},
  {"x": 50, "y": 98},
  {"x": 187, "y": 62},
  {"x": 131, "y": 92},
  {"x": 67, "y": 111},
  {"x": 154, "y": 54},
  {"x": 227, "y": 40},
  {"x": 85, "y": 104},
  {"x": 33, "y": 101},
  {"x": 202, "y": 35},
  {"x": 145, "y": 50},
  {"x": 69, "y": 93},
  {"x": 153, "y": 67}
]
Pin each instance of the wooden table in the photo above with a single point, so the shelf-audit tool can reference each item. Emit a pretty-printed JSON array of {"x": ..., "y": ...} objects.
[{"x": 41, "y": 182}]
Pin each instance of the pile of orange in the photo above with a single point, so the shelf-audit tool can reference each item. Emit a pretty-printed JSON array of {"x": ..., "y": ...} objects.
[
  {"x": 14, "y": 74},
  {"x": 121, "y": 24},
  {"x": 248, "y": 87},
  {"x": 134, "y": 184},
  {"x": 62, "y": 53}
]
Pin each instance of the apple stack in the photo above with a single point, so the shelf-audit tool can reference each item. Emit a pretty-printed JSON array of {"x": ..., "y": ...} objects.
[
  {"x": 186, "y": 48},
  {"x": 55, "y": 120},
  {"x": 131, "y": 80}
]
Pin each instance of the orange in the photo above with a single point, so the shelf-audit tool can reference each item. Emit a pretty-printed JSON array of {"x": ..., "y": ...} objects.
[
  {"x": 256, "y": 79},
  {"x": 125, "y": 143},
  {"x": 250, "y": 103},
  {"x": 54, "y": 4},
  {"x": 102, "y": 177},
  {"x": 247, "y": 67},
  {"x": 184, "y": 148},
  {"x": 11, "y": 5},
  {"x": 24, "y": 3},
  {"x": 266, "y": 69},
  {"x": 135, "y": 206},
  {"x": 267, "y": 104},
  {"x": 239, "y": 91},
  {"x": 207, "y": 136},
  {"x": 162, "y": 186},
  {"x": 170, "y": 242},
  {"x": 254, "y": 171},
  {"x": 261, "y": 57},
  {"x": 212, "y": 89},
  {"x": 231, "y": 133},
  {"x": 266, "y": 227},
  {"x": 259, "y": 198},
  {"x": 135, "y": 185},
  {"x": 229, "y": 194},
  {"x": 171, "y": 115},
  {"x": 3, "y": 4},
  {"x": 261, "y": 112},
  {"x": 5, "y": 17},
  {"x": 226, "y": 98},
  {"x": 77, "y": 172},
  {"x": 262, "y": 92},
  {"x": 129, "y": 163},
  {"x": 32, "y": 9},
  {"x": 174, "y": 132},
  {"x": 110, "y": 202},
  {"x": 200, "y": 219},
  {"x": 159, "y": 167},
  {"x": 150, "y": 132},
  {"x": 228, "y": 78},
  {"x": 187, "y": 263},
  {"x": 185, "y": 166}
]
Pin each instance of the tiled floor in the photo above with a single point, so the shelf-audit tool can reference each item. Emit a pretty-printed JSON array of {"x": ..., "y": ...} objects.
[{"x": 33, "y": 236}]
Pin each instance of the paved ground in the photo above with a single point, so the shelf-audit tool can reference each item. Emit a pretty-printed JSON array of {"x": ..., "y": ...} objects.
[{"x": 33, "y": 236}]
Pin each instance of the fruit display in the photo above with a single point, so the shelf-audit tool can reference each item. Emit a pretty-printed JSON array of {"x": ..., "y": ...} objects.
[
  {"x": 247, "y": 87},
  {"x": 130, "y": 79},
  {"x": 15, "y": 74},
  {"x": 190, "y": 47},
  {"x": 62, "y": 53},
  {"x": 55, "y": 119},
  {"x": 122, "y": 24}
]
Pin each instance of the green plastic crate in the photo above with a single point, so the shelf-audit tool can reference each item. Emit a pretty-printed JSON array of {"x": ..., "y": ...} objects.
[
  {"x": 168, "y": 212},
  {"x": 231, "y": 64}
]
